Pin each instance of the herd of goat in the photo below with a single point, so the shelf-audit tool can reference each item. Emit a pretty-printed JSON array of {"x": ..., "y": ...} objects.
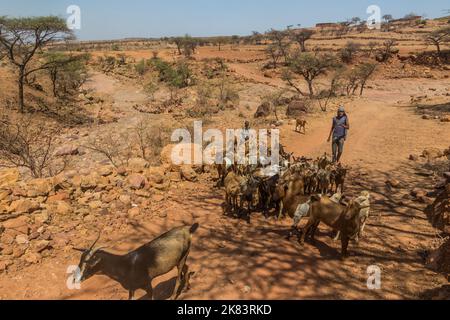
[{"x": 297, "y": 187}]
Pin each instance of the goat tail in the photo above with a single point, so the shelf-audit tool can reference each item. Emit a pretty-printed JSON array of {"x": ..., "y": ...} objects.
[{"x": 194, "y": 228}]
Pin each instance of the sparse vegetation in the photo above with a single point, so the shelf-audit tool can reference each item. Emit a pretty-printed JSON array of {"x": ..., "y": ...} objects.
[
  {"x": 22, "y": 38},
  {"x": 31, "y": 144},
  {"x": 438, "y": 37},
  {"x": 309, "y": 67}
]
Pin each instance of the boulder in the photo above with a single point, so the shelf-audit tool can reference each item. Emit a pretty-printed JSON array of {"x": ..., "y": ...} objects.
[
  {"x": 134, "y": 212},
  {"x": 263, "y": 110},
  {"x": 23, "y": 206},
  {"x": 445, "y": 119},
  {"x": 22, "y": 239},
  {"x": 42, "y": 217},
  {"x": 138, "y": 165},
  {"x": 19, "y": 224},
  {"x": 136, "y": 181},
  {"x": 9, "y": 177},
  {"x": 39, "y": 188},
  {"x": 94, "y": 205},
  {"x": 174, "y": 176},
  {"x": 105, "y": 171},
  {"x": 125, "y": 199},
  {"x": 62, "y": 181},
  {"x": 4, "y": 194},
  {"x": 188, "y": 174},
  {"x": 40, "y": 245},
  {"x": 155, "y": 175},
  {"x": 62, "y": 208},
  {"x": 296, "y": 108},
  {"x": 32, "y": 257},
  {"x": 60, "y": 196},
  {"x": 394, "y": 183},
  {"x": 173, "y": 156},
  {"x": 67, "y": 150}
]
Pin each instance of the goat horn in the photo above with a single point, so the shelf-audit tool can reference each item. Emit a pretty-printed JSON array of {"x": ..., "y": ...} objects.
[
  {"x": 78, "y": 249},
  {"x": 95, "y": 242}
]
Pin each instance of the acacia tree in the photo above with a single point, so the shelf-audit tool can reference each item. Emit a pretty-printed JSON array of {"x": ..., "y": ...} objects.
[
  {"x": 179, "y": 43},
  {"x": 274, "y": 53},
  {"x": 309, "y": 67},
  {"x": 438, "y": 37},
  {"x": 67, "y": 73},
  {"x": 364, "y": 72},
  {"x": 257, "y": 37},
  {"x": 280, "y": 38},
  {"x": 301, "y": 37},
  {"x": 23, "y": 38}
]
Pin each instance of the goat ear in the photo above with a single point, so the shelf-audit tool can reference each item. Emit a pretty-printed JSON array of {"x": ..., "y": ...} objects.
[{"x": 351, "y": 211}]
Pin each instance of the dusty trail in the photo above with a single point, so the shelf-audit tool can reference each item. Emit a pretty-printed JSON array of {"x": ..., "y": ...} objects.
[{"x": 234, "y": 260}]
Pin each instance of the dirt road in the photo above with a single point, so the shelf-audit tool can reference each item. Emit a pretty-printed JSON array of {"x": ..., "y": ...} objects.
[{"x": 234, "y": 260}]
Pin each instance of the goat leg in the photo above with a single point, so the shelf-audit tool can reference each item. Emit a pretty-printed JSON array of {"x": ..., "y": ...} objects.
[
  {"x": 281, "y": 210},
  {"x": 149, "y": 290},
  {"x": 306, "y": 230},
  {"x": 344, "y": 241},
  {"x": 180, "y": 267},
  {"x": 337, "y": 236}
]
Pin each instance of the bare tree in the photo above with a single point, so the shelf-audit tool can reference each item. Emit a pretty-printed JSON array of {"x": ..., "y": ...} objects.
[
  {"x": 438, "y": 37},
  {"x": 274, "y": 53},
  {"x": 358, "y": 77},
  {"x": 257, "y": 37},
  {"x": 372, "y": 46},
  {"x": 117, "y": 148},
  {"x": 179, "y": 43},
  {"x": 275, "y": 100},
  {"x": 22, "y": 38},
  {"x": 348, "y": 52},
  {"x": 364, "y": 72},
  {"x": 29, "y": 144},
  {"x": 301, "y": 37},
  {"x": 385, "y": 53},
  {"x": 281, "y": 39}
]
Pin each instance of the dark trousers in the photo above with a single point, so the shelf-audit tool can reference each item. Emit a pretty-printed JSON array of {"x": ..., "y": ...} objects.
[{"x": 338, "y": 148}]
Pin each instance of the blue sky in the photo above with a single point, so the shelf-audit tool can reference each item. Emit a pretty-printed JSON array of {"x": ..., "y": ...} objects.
[{"x": 113, "y": 19}]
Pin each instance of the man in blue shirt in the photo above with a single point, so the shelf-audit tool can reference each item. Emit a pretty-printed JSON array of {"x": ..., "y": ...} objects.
[{"x": 339, "y": 132}]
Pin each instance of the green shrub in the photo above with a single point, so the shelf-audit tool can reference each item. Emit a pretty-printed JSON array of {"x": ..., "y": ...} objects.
[{"x": 140, "y": 67}]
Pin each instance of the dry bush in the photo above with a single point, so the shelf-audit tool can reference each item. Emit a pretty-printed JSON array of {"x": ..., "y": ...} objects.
[
  {"x": 30, "y": 144},
  {"x": 151, "y": 138},
  {"x": 347, "y": 53},
  {"x": 388, "y": 49},
  {"x": 117, "y": 148}
]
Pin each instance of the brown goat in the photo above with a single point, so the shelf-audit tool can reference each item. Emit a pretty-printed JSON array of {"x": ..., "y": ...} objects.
[
  {"x": 340, "y": 218},
  {"x": 137, "y": 269},
  {"x": 290, "y": 193}
]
